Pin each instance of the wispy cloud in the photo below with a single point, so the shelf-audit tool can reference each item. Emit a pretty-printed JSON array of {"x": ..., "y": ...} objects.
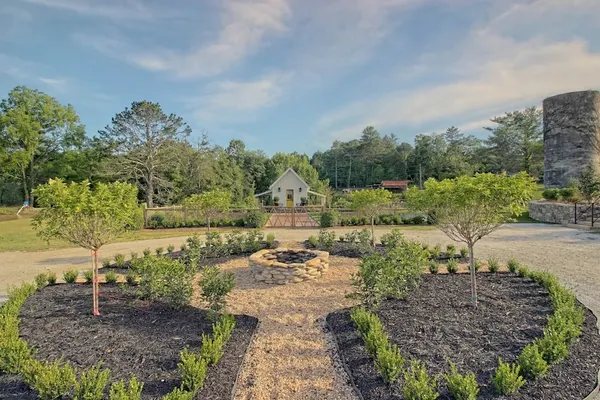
[
  {"x": 14, "y": 66},
  {"x": 492, "y": 74},
  {"x": 112, "y": 9},
  {"x": 244, "y": 26},
  {"x": 55, "y": 83},
  {"x": 236, "y": 101}
]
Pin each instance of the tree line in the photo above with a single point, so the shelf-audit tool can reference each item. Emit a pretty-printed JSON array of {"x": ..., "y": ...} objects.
[
  {"x": 43, "y": 139},
  {"x": 514, "y": 144}
]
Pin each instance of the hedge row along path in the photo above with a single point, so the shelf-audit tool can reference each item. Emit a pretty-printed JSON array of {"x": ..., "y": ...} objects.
[{"x": 290, "y": 357}]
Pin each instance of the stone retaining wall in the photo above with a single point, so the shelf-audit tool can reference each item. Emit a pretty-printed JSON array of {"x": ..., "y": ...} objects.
[
  {"x": 551, "y": 212},
  {"x": 266, "y": 268}
]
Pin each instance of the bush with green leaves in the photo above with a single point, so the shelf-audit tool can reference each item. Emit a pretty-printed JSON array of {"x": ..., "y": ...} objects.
[
  {"x": 146, "y": 252},
  {"x": 212, "y": 348},
  {"x": 162, "y": 278},
  {"x": 88, "y": 275},
  {"x": 329, "y": 219},
  {"x": 214, "y": 288},
  {"x": 159, "y": 250},
  {"x": 51, "y": 278},
  {"x": 91, "y": 383},
  {"x": 105, "y": 262},
  {"x": 551, "y": 194},
  {"x": 450, "y": 250},
  {"x": 570, "y": 194},
  {"x": 14, "y": 351},
  {"x": 131, "y": 277},
  {"x": 270, "y": 240},
  {"x": 192, "y": 368},
  {"x": 464, "y": 252},
  {"x": 461, "y": 387},
  {"x": 552, "y": 346},
  {"x": 433, "y": 266},
  {"x": 523, "y": 271},
  {"x": 452, "y": 266},
  {"x": 436, "y": 251},
  {"x": 133, "y": 256},
  {"x": 178, "y": 394},
  {"x": 513, "y": 265},
  {"x": 391, "y": 275},
  {"x": 119, "y": 260},
  {"x": 131, "y": 390},
  {"x": 254, "y": 241},
  {"x": 313, "y": 241},
  {"x": 214, "y": 246},
  {"x": 224, "y": 327},
  {"x": 51, "y": 380},
  {"x": 418, "y": 385},
  {"x": 531, "y": 362},
  {"x": 506, "y": 378},
  {"x": 389, "y": 362},
  {"x": 41, "y": 280},
  {"x": 477, "y": 265},
  {"x": 70, "y": 276},
  {"x": 255, "y": 219},
  {"x": 110, "y": 277},
  {"x": 326, "y": 239},
  {"x": 493, "y": 264},
  {"x": 170, "y": 248}
]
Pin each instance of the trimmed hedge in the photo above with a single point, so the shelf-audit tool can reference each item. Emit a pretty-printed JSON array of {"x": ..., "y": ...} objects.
[{"x": 252, "y": 219}]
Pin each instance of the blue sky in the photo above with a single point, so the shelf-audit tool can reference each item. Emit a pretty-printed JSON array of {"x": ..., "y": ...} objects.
[{"x": 287, "y": 75}]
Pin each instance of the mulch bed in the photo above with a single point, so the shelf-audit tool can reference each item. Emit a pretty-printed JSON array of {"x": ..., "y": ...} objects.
[
  {"x": 131, "y": 337},
  {"x": 436, "y": 322}
]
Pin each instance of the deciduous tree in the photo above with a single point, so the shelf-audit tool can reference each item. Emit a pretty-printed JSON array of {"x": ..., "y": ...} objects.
[
  {"x": 85, "y": 216},
  {"x": 371, "y": 203},
  {"x": 467, "y": 208},
  {"x": 208, "y": 204}
]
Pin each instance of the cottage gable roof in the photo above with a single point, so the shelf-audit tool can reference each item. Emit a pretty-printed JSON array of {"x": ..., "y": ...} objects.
[{"x": 288, "y": 171}]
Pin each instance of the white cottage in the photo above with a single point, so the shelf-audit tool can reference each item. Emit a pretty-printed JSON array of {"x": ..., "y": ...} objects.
[{"x": 290, "y": 189}]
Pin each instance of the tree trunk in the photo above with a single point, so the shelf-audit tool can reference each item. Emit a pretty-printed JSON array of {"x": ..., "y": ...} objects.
[
  {"x": 25, "y": 189},
  {"x": 208, "y": 225},
  {"x": 95, "y": 288},
  {"x": 150, "y": 191},
  {"x": 473, "y": 277},
  {"x": 31, "y": 182},
  {"x": 373, "y": 231}
]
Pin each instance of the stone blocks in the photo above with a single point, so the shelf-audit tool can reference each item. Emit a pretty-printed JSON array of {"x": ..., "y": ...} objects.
[{"x": 282, "y": 266}]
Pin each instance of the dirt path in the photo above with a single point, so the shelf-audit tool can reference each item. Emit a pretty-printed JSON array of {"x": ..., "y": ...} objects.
[{"x": 291, "y": 356}]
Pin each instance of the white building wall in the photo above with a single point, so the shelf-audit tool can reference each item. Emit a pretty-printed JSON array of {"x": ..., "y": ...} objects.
[{"x": 289, "y": 181}]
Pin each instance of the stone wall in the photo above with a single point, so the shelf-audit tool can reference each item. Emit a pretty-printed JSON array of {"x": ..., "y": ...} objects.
[
  {"x": 266, "y": 268},
  {"x": 571, "y": 136},
  {"x": 551, "y": 212}
]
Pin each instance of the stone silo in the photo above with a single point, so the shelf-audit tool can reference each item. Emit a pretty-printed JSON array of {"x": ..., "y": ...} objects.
[{"x": 571, "y": 136}]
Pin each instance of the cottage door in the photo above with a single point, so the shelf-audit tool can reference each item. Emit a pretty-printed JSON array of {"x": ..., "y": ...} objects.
[{"x": 289, "y": 198}]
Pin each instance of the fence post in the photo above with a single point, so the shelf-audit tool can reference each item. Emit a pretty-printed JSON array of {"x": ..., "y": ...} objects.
[
  {"x": 293, "y": 217},
  {"x": 593, "y": 204},
  {"x": 575, "y": 208},
  {"x": 145, "y": 217}
]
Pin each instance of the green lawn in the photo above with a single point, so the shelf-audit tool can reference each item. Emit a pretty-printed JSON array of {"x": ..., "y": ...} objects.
[{"x": 17, "y": 235}]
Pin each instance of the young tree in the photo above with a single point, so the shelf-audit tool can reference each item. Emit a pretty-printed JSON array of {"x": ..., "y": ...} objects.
[
  {"x": 371, "y": 203},
  {"x": 34, "y": 127},
  {"x": 87, "y": 217},
  {"x": 468, "y": 208},
  {"x": 208, "y": 204},
  {"x": 589, "y": 183},
  {"x": 141, "y": 138}
]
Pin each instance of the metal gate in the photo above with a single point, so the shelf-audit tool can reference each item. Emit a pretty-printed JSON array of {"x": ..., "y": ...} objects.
[{"x": 280, "y": 217}]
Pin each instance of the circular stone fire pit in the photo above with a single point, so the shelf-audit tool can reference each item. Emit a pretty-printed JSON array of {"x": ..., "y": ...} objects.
[{"x": 283, "y": 266}]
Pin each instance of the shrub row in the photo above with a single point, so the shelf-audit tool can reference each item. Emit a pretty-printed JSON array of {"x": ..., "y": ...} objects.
[
  {"x": 253, "y": 219},
  {"x": 417, "y": 383},
  {"x": 333, "y": 218},
  {"x": 232, "y": 243},
  {"x": 563, "y": 326},
  {"x": 569, "y": 194},
  {"x": 52, "y": 380},
  {"x": 194, "y": 366}
]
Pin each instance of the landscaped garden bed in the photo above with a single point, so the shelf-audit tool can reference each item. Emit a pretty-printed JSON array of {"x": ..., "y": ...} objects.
[
  {"x": 132, "y": 337},
  {"x": 436, "y": 323}
]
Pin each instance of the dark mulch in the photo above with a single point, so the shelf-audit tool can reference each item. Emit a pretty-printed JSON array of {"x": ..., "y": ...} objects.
[
  {"x": 131, "y": 337},
  {"x": 436, "y": 322}
]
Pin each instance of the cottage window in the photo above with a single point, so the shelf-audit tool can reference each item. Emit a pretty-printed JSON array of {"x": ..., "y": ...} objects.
[
  {"x": 279, "y": 189},
  {"x": 299, "y": 189}
]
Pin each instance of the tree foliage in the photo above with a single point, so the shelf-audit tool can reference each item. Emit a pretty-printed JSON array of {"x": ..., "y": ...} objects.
[
  {"x": 85, "y": 216},
  {"x": 371, "y": 203},
  {"x": 208, "y": 204},
  {"x": 142, "y": 138},
  {"x": 468, "y": 208}
]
